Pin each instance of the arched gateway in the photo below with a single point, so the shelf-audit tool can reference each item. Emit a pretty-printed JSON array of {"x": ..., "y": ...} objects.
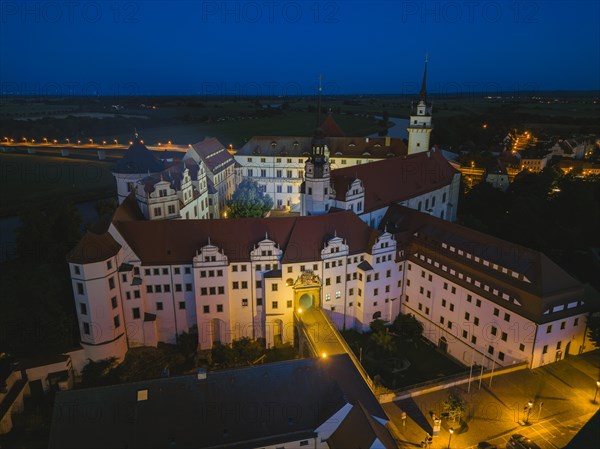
[{"x": 307, "y": 291}]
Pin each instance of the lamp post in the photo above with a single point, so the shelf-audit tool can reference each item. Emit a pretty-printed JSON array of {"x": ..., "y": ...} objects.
[
  {"x": 529, "y": 406},
  {"x": 450, "y": 431},
  {"x": 596, "y": 394}
]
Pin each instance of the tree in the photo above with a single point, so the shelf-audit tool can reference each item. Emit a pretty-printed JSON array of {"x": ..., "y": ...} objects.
[
  {"x": 454, "y": 406},
  {"x": 407, "y": 327},
  {"x": 383, "y": 342},
  {"x": 249, "y": 200},
  {"x": 378, "y": 325},
  {"x": 593, "y": 324}
]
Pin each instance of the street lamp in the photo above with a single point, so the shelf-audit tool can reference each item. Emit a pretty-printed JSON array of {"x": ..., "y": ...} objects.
[
  {"x": 529, "y": 406},
  {"x": 68, "y": 141},
  {"x": 116, "y": 142},
  {"x": 451, "y": 431},
  {"x": 596, "y": 394}
]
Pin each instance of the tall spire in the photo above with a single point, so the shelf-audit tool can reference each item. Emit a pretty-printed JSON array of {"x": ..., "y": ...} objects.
[
  {"x": 319, "y": 102},
  {"x": 423, "y": 93}
]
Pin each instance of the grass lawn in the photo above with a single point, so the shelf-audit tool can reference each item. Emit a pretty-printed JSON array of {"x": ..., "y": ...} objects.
[
  {"x": 33, "y": 179},
  {"x": 426, "y": 363}
]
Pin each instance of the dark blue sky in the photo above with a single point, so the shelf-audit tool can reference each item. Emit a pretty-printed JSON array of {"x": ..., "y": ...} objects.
[{"x": 280, "y": 47}]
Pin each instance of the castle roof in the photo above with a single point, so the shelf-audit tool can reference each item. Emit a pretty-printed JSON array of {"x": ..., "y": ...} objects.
[
  {"x": 349, "y": 147},
  {"x": 213, "y": 153},
  {"x": 534, "y": 285},
  {"x": 395, "y": 179},
  {"x": 138, "y": 159},
  {"x": 300, "y": 238},
  {"x": 94, "y": 248}
]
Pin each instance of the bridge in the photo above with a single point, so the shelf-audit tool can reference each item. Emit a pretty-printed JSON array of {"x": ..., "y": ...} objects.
[{"x": 318, "y": 337}]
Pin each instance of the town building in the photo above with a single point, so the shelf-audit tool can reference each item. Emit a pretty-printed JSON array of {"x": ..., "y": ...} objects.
[
  {"x": 195, "y": 188},
  {"x": 315, "y": 403},
  {"x": 140, "y": 282}
]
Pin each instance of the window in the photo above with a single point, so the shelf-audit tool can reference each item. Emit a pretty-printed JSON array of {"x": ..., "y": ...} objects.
[
  {"x": 188, "y": 270},
  {"x": 136, "y": 294},
  {"x": 204, "y": 291},
  {"x": 273, "y": 287},
  {"x": 467, "y": 316},
  {"x": 576, "y": 322},
  {"x": 443, "y": 303},
  {"x": 445, "y": 286},
  {"x": 496, "y": 311},
  {"x": 136, "y": 313},
  {"x": 259, "y": 301},
  {"x": 338, "y": 279},
  {"x": 82, "y": 308},
  {"x": 338, "y": 294},
  {"x": 177, "y": 270},
  {"x": 159, "y": 306},
  {"x": 113, "y": 302},
  {"x": 507, "y": 317},
  {"x": 490, "y": 349},
  {"x": 465, "y": 334},
  {"x": 111, "y": 282},
  {"x": 494, "y": 330},
  {"x": 117, "y": 321},
  {"x": 236, "y": 285},
  {"x": 478, "y": 303},
  {"x": 473, "y": 339},
  {"x": 327, "y": 296},
  {"x": 206, "y": 309},
  {"x": 453, "y": 290},
  {"x": 167, "y": 288},
  {"x": 545, "y": 350},
  {"x": 451, "y": 307},
  {"x": 562, "y": 325},
  {"x": 549, "y": 329},
  {"x": 501, "y": 355},
  {"x": 274, "y": 304},
  {"x": 79, "y": 288},
  {"x": 476, "y": 321},
  {"x": 128, "y": 295},
  {"x": 521, "y": 347},
  {"x": 86, "y": 328},
  {"x": 109, "y": 265},
  {"x": 188, "y": 287},
  {"x": 244, "y": 284},
  {"x": 441, "y": 320},
  {"x": 76, "y": 269},
  {"x": 469, "y": 298},
  {"x": 158, "y": 288},
  {"x": 219, "y": 307},
  {"x": 181, "y": 305},
  {"x": 558, "y": 345},
  {"x": 165, "y": 271},
  {"x": 245, "y": 302}
]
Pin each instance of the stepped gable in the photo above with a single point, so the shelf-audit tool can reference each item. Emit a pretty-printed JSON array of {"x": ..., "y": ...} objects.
[
  {"x": 138, "y": 159},
  {"x": 395, "y": 179}
]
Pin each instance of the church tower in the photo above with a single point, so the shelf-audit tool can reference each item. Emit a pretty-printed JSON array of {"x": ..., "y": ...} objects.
[
  {"x": 419, "y": 128},
  {"x": 315, "y": 189}
]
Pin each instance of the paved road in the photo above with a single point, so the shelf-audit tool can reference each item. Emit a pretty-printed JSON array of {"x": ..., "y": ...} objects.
[{"x": 565, "y": 390}]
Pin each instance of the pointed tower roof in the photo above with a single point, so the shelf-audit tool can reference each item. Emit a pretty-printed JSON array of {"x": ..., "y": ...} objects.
[
  {"x": 423, "y": 93},
  {"x": 330, "y": 127},
  {"x": 138, "y": 159}
]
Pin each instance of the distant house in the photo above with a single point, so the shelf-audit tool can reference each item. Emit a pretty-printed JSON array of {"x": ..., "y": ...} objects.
[{"x": 496, "y": 175}]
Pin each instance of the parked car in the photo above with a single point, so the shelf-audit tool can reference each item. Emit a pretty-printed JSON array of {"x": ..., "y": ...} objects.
[{"x": 518, "y": 441}]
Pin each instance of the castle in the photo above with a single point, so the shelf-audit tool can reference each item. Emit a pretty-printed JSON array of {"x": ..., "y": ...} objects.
[{"x": 373, "y": 240}]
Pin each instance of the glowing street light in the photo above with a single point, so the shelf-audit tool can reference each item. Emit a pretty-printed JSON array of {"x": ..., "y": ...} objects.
[
  {"x": 6, "y": 138},
  {"x": 45, "y": 140},
  {"x": 79, "y": 142},
  {"x": 299, "y": 310},
  {"x": 324, "y": 355},
  {"x": 68, "y": 141},
  {"x": 116, "y": 142},
  {"x": 596, "y": 394},
  {"x": 54, "y": 141},
  {"x": 529, "y": 406},
  {"x": 91, "y": 141},
  {"x": 450, "y": 431},
  {"x": 104, "y": 142}
]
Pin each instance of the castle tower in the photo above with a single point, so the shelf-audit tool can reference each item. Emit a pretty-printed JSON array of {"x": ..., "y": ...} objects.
[
  {"x": 419, "y": 127},
  {"x": 315, "y": 189}
]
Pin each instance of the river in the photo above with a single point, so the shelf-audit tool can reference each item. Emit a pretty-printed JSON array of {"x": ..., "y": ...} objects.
[{"x": 398, "y": 130}]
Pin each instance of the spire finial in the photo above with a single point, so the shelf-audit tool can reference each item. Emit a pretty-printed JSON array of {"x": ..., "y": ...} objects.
[
  {"x": 209, "y": 240},
  {"x": 266, "y": 235},
  {"x": 135, "y": 133}
]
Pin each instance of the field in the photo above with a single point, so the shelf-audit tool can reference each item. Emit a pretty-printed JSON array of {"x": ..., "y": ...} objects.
[{"x": 29, "y": 179}]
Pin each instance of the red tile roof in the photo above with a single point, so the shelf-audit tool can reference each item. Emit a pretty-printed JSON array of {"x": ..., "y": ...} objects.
[
  {"x": 330, "y": 127},
  {"x": 301, "y": 238},
  {"x": 94, "y": 248},
  {"x": 395, "y": 179}
]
